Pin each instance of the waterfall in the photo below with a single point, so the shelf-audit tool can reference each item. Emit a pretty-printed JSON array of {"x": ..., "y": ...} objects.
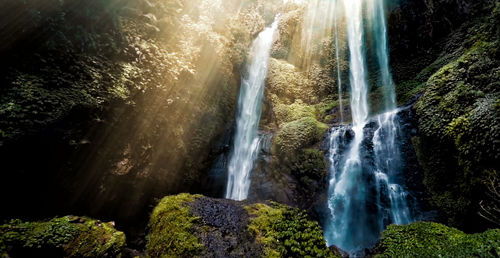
[
  {"x": 246, "y": 141},
  {"x": 386, "y": 149},
  {"x": 379, "y": 27},
  {"x": 347, "y": 195},
  {"x": 366, "y": 191}
]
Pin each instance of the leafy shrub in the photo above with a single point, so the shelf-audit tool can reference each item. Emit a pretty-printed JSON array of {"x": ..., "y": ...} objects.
[{"x": 287, "y": 232}]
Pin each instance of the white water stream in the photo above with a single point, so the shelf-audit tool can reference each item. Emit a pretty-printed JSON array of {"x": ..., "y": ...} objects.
[{"x": 246, "y": 142}]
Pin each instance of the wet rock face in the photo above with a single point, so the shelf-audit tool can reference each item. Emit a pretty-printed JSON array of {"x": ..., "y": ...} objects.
[
  {"x": 411, "y": 168},
  {"x": 214, "y": 183}
]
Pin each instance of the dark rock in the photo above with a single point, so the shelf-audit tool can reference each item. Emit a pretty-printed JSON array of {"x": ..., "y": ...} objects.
[{"x": 224, "y": 232}]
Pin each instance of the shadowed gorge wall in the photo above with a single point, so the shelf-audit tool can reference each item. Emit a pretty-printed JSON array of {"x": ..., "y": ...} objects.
[
  {"x": 456, "y": 71},
  {"x": 121, "y": 102}
]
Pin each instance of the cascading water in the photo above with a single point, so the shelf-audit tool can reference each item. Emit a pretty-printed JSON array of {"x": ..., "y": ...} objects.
[
  {"x": 386, "y": 149},
  {"x": 246, "y": 142},
  {"x": 365, "y": 188},
  {"x": 378, "y": 26},
  {"x": 347, "y": 195}
]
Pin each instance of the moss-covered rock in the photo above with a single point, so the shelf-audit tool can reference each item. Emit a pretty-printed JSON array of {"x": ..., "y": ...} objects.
[
  {"x": 172, "y": 232},
  {"x": 287, "y": 232},
  {"x": 288, "y": 113},
  {"x": 458, "y": 120},
  {"x": 428, "y": 239},
  {"x": 298, "y": 134},
  {"x": 66, "y": 236},
  {"x": 187, "y": 225}
]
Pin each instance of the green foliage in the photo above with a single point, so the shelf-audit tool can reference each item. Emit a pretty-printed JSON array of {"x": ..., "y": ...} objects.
[
  {"x": 30, "y": 104},
  {"x": 296, "y": 108},
  {"x": 289, "y": 26},
  {"x": 428, "y": 239},
  {"x": 286, "y": 232},
  {"x": 172, "y": 230},
  {"x": 324, "y": 107},
  {"x": 71, "y": 236},
  {"x": 299, "y": 116}
]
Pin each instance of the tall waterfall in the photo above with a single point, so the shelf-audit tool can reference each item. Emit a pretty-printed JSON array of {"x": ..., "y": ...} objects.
[
  {"x": 246, "y": 142},
  {"x": 365, "y": 189}
]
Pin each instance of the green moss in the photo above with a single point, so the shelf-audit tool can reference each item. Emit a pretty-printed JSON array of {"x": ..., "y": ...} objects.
[
  {"x": 97, "y": 240},
  {"x": 427, "y": 239},
  {"x": 324, "y": 107},
  {"x": 286, "y": 232},
  {"x": 298, "y": 134},
  {"x": 172, "y": 230},
  {"x": 66, "y": 236}
]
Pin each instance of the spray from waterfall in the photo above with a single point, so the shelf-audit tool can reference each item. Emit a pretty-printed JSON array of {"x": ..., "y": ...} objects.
[
  {"x": 246, "y": 142},
  {"x": 366, "y": 191}
]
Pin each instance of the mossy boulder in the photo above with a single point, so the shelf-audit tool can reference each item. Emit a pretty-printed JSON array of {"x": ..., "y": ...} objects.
[
  {"x": 172, "y": 232},
  {"x": 187, "y": 225},
  {"x": 288, "y": 113},
  {"x": 61, "y": 237},
  {"x": 428, "y": 239},
  {"x": 298, "y": 134}
]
